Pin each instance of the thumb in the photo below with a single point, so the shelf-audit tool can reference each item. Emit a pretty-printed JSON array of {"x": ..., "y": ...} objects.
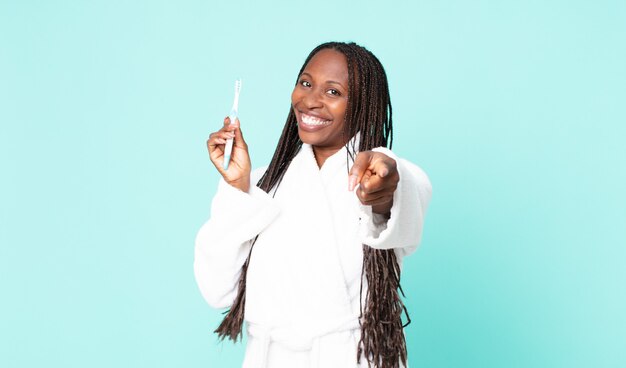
[{"x": 360, "y": 166}]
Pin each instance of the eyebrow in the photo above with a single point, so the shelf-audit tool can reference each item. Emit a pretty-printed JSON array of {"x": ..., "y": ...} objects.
[{"x": 329, "y": 81}]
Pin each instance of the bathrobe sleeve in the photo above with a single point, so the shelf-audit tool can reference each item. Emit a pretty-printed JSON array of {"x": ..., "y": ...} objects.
[
  {"x": 403, "y": 229},
  {"x": 223, "y": 242}
]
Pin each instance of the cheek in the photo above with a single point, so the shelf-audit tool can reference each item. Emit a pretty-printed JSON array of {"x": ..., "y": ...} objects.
[
  {"x": 295, "y": 96},
  {"x": 339, "y": 109}
]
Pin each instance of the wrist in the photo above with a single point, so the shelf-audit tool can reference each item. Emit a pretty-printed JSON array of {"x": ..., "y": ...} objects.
[
  {"x": 241, "y": 184},
  {"x": 383, "y": 209}
]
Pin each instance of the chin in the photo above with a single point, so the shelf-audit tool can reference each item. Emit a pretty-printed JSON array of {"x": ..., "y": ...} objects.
[{"x": 308, "y": 138}]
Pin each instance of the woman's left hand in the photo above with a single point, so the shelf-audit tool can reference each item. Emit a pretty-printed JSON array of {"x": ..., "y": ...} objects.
[{"x": 377, "y": 176}]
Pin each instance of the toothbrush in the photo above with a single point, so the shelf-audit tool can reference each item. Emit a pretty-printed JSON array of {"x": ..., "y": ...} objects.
[{"x": 233, "y": 116}]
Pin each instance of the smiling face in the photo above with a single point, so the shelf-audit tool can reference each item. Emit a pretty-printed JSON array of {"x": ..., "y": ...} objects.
[{"x": 320, "y": 100}]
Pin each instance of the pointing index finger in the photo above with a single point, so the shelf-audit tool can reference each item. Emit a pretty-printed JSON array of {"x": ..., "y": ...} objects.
[{"x": 360, "y": 166}]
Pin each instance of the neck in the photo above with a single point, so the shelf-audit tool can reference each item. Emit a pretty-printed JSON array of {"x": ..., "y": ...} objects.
[{"x": 322, "y": 153}]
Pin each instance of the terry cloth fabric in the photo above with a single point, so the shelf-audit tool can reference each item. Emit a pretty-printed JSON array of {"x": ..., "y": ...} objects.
[{"x": 304, "y": 277}]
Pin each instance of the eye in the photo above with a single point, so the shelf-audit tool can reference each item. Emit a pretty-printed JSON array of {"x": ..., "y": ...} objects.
[
  {"x": 305, "y": 83},
  {"x": 334, "y": 92}
]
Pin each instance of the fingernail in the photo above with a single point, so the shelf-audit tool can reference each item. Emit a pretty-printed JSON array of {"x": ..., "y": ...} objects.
[
  {"x": 352, "y": 182},
  {"x": 384, "y": 172}
]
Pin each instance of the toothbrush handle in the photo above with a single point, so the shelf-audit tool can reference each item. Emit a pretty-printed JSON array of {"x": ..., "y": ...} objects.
[{"x": 228, "y": 150}]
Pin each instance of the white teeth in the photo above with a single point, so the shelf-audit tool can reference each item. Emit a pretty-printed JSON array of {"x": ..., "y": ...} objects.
[{"x": 310, "y": 120}]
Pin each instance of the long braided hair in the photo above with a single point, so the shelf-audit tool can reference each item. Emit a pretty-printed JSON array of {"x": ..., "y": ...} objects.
[{"x": 368, "y": 113}]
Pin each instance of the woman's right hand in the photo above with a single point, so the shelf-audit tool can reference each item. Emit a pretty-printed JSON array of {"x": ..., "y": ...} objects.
[{"x": 238, "y": 173}]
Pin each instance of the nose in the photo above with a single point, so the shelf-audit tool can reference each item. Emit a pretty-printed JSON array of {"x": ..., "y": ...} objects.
[{"x": 312, "y": 100}]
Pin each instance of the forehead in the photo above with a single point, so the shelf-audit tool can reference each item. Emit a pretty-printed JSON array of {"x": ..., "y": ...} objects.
[{"x": 328, "y": 64}]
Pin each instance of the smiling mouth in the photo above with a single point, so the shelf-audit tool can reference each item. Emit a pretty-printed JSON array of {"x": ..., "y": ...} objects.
[{"x": 313, "y": 121}]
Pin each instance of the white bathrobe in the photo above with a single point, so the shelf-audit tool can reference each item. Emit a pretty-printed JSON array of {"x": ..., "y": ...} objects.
[{"x": 302, "y": 291}]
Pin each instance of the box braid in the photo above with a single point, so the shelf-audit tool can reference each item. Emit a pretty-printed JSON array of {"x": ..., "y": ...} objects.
[{"x": 368, "y": 113}]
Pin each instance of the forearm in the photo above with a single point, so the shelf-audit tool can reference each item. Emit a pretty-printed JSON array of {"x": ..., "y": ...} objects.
[{"x": 399, "y": 223}]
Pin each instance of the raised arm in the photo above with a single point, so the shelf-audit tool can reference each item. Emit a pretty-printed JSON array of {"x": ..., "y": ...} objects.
[
  {"x": 400, "y": 191},
  {"x": 239, "y": 212}
]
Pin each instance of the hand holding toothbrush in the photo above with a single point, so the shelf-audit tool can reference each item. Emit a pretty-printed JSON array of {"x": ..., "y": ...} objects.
[
  {"x": 228, "y": 150},
  {"x": 238, "y": 172}
]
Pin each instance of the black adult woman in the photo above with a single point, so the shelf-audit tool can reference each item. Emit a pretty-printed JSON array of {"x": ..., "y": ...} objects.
[{"x": 313, "y": 268}]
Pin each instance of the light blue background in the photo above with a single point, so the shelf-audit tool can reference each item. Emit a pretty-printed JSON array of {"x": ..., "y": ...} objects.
[{"x": 515, "y": 109}]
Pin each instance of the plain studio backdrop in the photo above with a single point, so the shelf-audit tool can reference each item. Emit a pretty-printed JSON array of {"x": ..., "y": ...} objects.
[{"x": 515, "y": 109}]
